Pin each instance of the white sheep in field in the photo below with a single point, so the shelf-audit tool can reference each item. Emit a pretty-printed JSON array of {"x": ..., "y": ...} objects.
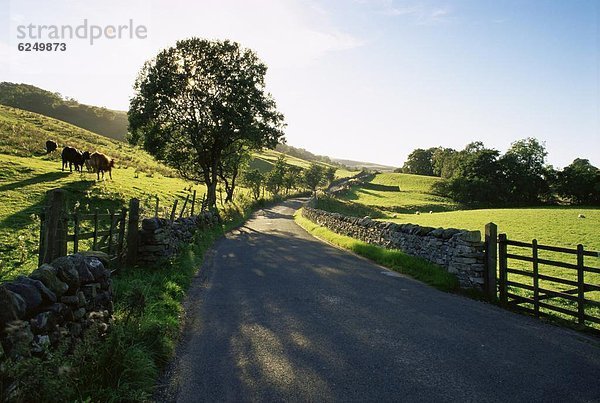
[
  {"x": 417, "y": 212},
  {"x": 430, "y": 212},
  {"x": 580, "y": 216}
]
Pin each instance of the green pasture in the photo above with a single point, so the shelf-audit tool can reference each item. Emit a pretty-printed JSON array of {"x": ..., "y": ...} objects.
[{"x": 25, "y": 181}]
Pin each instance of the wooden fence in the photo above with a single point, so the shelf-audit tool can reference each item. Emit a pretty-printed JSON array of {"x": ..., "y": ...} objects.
[
  {"x": 113, "y": 232},
  {"x": 525, "y": 281}
]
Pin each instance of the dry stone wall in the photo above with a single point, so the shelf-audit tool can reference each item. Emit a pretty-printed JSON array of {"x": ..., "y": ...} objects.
[
  {"x": 460, "y": 252},
  {"x": 57, "y": 302},
  {"x": 160, "y": 238}
]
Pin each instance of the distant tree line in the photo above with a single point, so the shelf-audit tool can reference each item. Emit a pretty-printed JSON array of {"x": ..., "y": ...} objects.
[
  {"x": 283, "y": 178},
  {"x": 478, "y": 175},
  {"x": 102, "y": 121}
]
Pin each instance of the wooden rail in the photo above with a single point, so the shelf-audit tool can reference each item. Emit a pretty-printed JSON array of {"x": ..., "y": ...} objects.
[{"x": 539, "y": 297}]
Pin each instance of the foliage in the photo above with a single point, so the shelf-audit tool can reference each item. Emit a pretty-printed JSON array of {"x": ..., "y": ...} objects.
[
  {"x": 234, "y": 162},
  {"x": 419, "y": 162},
  {"x": 275, "y": 179},
  {"x": 102, "y": 121},
  {"x": 314, "y": 176},
  {"x": 195, "y": 101},
  {"x": 480, "y": 176},
  {"x": 253, "y": 179},
  {"x": 579, "y": 183}
]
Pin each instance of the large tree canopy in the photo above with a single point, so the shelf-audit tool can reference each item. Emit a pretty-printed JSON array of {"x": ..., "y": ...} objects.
[{"x": 200, "y": 101}]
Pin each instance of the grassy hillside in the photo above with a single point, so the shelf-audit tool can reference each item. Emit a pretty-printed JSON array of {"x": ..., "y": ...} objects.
[
  {"x": 24, "y": 182},
  {"x": 25, "y": 133},
  {"x": 414, "y": 194},
  {"x": 265, "y": 159},
  {"x": 103, "y": 121},
  {"x": 27, "y": 173}
]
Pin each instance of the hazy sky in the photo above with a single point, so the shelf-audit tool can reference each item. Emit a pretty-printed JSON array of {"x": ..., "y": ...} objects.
[{"x": 367, "y": 80}]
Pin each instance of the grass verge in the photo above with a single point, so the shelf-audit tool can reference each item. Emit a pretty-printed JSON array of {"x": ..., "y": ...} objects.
[{"x": 394, "y": 259}]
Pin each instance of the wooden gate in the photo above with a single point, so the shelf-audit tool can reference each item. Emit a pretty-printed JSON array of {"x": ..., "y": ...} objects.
[{"x": 540, "y": 280}]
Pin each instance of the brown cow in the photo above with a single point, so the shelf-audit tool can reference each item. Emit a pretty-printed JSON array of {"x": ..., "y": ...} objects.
[{"x": 101, "y": 163}]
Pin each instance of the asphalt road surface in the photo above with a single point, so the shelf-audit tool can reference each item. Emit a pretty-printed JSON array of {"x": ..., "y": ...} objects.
[{"x": 276, "y": 315}]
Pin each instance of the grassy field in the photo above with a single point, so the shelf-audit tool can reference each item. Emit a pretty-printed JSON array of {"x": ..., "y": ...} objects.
[{"x": 414, "y": 194}]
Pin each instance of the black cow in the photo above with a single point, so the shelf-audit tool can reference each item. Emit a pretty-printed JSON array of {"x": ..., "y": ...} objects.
[
  {"x": 50, "y": 146},
  {"x": 73, "y": 156}
]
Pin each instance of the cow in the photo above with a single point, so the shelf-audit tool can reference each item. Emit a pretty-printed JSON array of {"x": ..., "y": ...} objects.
[
  {"x": 50, "y": 146},
  {"x": 73, "y": 156},
  {"x": 101, "y": 163},
  {"x": 86, "y": 159}
]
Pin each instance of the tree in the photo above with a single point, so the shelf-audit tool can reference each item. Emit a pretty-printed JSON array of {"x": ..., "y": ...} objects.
[
  {"x": 579, "y": 182},
  {"x": 196, "y": 101},
  {"x": 231, "y": 165},
  {"x": 525, "y": 171},
  {"x": 419, "y": 162},
  {"x": 314, "y": 176},
  {"x": 443, "y": 161},
  {"x": 253, "y": 179},
  {"x": 476, "y": 178},
  {"x": 275, "y": 178},
  {"x": 292, "y": 178},
  {"x": 330, "y": 174}
]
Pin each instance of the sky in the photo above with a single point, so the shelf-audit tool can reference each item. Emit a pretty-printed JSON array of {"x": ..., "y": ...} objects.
[{"x": 367, "y": 80}]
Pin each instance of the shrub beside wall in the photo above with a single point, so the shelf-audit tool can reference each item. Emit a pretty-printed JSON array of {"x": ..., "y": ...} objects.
[{"x": 460, "y": 252}]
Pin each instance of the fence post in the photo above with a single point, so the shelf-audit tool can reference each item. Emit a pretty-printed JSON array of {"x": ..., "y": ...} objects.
[
  {"x": 580, "y": 286},
  {"x": 491, "y": 259},
  {"x": 184, "y": 205},
  {"x": 536, "y": 277},
  {"x": 193, "y": 203},
  {"x": 76, "y": 232},
  {"x": 121, "y": 236},
  {"x": 132, "y": 231},
  {"x": 95, "y": 241},
  {"x": 42, "y": 240},
  {"x": 110, "y": 232},
  {"x": 156, "y": 209},
  {"x": 55, "y": 226},
  {"x": 503, "y": 262},
  {"x": 173, "y": 210}
]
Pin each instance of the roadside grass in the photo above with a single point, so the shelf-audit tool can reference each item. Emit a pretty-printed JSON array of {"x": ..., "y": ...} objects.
[{"x": 396, "y": 260}]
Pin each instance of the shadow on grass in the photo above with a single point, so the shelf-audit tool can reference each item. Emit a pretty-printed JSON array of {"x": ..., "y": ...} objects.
[{"x": 46, "y": 177}]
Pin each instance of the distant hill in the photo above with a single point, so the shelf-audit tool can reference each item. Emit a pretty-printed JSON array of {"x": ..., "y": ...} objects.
[
  {"x": 102, "y": 121},
  {"x": 303, "y": 154},
  {"x": 357, "y": 165}
]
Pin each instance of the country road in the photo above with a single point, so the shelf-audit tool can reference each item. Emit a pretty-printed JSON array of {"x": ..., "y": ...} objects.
[{"x": 276, "y": 315}]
